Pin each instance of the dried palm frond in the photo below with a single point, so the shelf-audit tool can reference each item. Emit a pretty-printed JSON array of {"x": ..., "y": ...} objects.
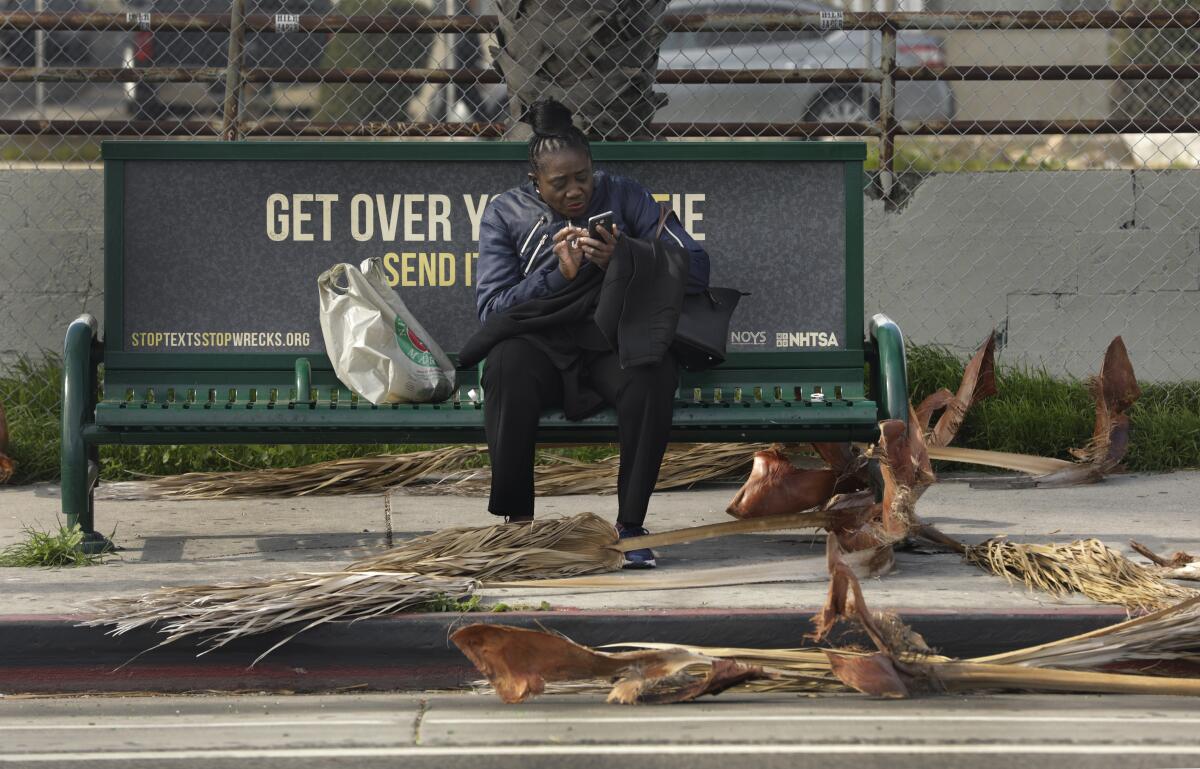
[
  {"x": 1181, "y": 565},
  {"x": 1168, "y": 634},
  {"x": 1086, "y": 566},
  {"x": 682, "y": 466},
  {"x": 453, "y": 561},
  {"x": 217, "y": 614},
  {"x": 551, "y": 548},
  {"x": 521, "y": 663},
  {"x": 6, "y": 464},
  {"x": 358, "y": 475},
  {"x": 901, "y": 665}
]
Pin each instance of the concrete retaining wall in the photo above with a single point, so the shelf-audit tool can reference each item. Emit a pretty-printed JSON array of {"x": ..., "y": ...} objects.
[{"x": 1060, "y": 262}]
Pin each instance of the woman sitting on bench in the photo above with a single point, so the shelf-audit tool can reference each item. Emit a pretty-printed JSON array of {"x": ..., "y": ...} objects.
[{"x": 535, "y": 245}]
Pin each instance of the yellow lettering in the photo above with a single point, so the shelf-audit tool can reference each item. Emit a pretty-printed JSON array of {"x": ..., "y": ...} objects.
[
  {"x": 389, "y": 265},
  {"x": 407, "y": 268},
  {"x": 469, "y": 266},
  {"x": 446, "y": 269},
  {"x": 427, "y": 275}
]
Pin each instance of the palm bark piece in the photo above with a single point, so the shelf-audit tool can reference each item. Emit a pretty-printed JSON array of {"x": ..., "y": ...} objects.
[
  {"x": 776, "y": 487},
  {"x": 978, "y": 382},
  {"x": 519, "y": 663},
  {"x": 1115, "y": 390}
]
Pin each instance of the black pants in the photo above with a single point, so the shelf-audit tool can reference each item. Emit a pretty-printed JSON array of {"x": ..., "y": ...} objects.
[{"x": 520, "y": 382}]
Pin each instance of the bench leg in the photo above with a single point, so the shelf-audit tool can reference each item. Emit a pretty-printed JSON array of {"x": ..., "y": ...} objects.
[{"x": 80, "y": 463}]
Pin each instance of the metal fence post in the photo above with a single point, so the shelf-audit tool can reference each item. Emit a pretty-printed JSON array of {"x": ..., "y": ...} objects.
[
  {"x": 230, "y": 130},
  {"x": 887, "y": 127}
]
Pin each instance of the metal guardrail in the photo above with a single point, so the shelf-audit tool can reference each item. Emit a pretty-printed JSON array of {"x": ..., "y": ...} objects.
[
  {"x": 415, "y": 23},
  {"x": 884, "y": 126}
]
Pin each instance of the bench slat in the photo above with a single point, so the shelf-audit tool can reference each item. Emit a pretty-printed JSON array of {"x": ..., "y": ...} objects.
[{"x": 748, "y": 415}]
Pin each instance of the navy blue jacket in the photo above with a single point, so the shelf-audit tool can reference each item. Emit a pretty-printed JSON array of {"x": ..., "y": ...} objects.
[{"x": 516, "y": 249}]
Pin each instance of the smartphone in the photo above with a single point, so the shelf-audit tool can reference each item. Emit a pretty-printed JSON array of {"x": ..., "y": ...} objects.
[{"x": 604, "y": 220}]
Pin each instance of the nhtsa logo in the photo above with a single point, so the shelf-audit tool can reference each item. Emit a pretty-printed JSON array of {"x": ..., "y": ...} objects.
[
  {"x": 755, "y": 338},
  {"x": 805, "y": 339}
]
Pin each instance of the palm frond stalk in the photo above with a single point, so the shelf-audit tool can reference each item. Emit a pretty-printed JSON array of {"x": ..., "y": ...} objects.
[{"x": 1181, "y": 565}]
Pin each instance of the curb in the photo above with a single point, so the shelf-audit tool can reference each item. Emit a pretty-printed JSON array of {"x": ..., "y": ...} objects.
[{"x": 51, "y": 654}]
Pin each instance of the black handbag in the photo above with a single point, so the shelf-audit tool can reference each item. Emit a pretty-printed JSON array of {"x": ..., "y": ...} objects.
[{"x": 703, "y": 329}]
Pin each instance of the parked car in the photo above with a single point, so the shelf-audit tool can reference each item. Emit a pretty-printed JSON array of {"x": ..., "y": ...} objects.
[
  {"x": 812, "y": 49},
  {"x": 809, "y": 49},
  {"x": 192, "y": 49}
]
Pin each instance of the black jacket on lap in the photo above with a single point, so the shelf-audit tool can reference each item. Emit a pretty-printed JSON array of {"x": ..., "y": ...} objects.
[{"x": 632, "y": 308}]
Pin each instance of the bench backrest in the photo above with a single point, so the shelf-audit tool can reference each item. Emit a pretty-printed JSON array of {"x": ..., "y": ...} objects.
[{"x": 212, "y": 249}]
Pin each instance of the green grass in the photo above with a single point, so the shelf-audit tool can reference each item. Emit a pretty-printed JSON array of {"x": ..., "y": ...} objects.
[
  {"x": 49, "y": 549},
  {"x": 926, "y": 157},
  {"x": 58, "y": 149},
  {"x": 1034, "y": 413}
]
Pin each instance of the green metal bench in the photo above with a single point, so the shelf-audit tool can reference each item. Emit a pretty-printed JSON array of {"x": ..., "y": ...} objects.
[{"x": 190, "y": 397}]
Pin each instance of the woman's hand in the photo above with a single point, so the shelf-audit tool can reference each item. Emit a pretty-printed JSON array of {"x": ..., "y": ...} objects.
[
  {"x": 569, "y": 250},
  {"x": 599, "y": 252}
]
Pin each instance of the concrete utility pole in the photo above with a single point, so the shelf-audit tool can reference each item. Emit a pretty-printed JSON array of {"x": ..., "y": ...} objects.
[{"x": 39, "y": 62}]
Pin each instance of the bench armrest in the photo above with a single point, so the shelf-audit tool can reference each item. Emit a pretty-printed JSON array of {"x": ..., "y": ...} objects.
[
  {"x": 79, "y": 387},
  {"x": 889, "y": 374}
]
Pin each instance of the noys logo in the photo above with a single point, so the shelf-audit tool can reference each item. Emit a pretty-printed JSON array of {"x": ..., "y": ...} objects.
[{"x": 412, "y": 345}]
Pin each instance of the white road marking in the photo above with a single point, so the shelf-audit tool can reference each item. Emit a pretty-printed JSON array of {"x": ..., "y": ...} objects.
[
  {"x": 533, "y": 720},
  {"x": 196, "y": 724},
  {"x": 609, "y": 750}
]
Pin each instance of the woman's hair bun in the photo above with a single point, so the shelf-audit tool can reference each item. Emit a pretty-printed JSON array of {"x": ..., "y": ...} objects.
[{"x": 549, "y": 118}]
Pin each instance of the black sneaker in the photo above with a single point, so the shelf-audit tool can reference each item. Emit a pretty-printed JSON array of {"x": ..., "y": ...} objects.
[
  {"x": 518, "y": 519},
  {"x": 636, "y": 559}
]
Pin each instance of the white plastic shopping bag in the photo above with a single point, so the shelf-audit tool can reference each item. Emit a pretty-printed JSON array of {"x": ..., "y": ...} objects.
[{"x": 377, "y": 347}]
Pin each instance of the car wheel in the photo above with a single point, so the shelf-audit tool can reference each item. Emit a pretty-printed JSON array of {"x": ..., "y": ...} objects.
[{"x": 840, "y": 107}]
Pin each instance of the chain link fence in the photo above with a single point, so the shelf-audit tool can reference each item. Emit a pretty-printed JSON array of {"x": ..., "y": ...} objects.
[{"x": 1033, "y": 163}]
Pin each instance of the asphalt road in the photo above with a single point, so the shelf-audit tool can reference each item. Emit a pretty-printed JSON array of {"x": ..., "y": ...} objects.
[{"x": 450, "y": 731}]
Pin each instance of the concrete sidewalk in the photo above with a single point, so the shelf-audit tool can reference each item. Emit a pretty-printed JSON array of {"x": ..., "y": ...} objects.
[{"x": 957, "y": 607}]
